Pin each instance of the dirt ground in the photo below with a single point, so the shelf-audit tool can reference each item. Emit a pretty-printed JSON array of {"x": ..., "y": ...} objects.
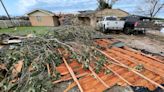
[{"x": 152, "y": 42}]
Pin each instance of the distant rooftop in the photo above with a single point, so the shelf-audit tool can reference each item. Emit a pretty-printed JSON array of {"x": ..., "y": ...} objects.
[
  {"x": 41, "y": 10},
  {"x": 87, "y": 11}
]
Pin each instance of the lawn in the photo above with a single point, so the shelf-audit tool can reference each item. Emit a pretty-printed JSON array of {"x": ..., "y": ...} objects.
[{"x": 25, "y": 30}]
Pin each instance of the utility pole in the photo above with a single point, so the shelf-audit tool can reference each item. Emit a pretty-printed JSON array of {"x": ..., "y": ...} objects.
[{"x": 5, "y": 10}]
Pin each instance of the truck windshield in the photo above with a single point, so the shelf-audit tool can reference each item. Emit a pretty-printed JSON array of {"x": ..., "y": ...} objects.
[{"x": 111, "y": 18}]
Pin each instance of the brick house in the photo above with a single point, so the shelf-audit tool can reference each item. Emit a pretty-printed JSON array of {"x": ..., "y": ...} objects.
[{"x": 43, "y": 18}]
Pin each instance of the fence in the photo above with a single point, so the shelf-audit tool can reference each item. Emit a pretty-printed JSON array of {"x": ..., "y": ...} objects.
[{"x": 8, "y": 23}]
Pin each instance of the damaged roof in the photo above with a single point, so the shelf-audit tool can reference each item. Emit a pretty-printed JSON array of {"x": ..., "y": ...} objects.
[
  {"x": 104, "y": 12},
  {"x": 126, "y": 67},
  {"x": 43, "y": 11}
]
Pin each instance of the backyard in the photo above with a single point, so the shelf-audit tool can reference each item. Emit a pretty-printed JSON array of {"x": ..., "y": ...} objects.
[{"x": 25, "y": 30}]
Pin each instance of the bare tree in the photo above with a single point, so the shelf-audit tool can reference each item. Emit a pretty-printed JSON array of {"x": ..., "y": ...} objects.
[
  {"x": 151, "y": 7},
  {"x": 103, "y": 4}
]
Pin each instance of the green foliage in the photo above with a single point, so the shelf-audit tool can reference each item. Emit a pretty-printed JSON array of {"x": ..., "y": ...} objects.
[
  {"x": 108, "y": 72},
  {"x": 103, "y": 5},
  {"x": 139, "y": 67},
  {"x": 42, "y": 50},
  {"x": 37, "y": 53},
  {"x": 74, "y": 56},
  {"x": 100, "y": 63}
]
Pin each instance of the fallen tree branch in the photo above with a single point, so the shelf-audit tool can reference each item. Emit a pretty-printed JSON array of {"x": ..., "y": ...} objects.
[{"x": 48, "y": 69}]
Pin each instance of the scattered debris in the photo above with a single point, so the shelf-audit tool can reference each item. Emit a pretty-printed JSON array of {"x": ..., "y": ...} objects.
[
  {"x": 7, "y": 39},
  {"x": 17, "y": 68},
  {"x": 31, "y": 36},
  {"x": 2, "y": 66},
  {"x": 95, "y": 63}
]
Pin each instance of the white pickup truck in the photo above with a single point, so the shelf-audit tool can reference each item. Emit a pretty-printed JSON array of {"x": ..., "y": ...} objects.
[{"x": 110, "y": 23}]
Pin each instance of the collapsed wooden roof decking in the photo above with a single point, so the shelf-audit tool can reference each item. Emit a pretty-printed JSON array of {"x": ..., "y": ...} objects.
[{"x": 126, "y": 66}]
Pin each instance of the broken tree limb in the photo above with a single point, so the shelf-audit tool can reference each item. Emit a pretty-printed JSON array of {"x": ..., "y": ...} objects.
[
  {"x": 48, "y": 69},
  {"x": 63, "y": 44},
  {"x": 123, "y": 65},
  {"x": 72, "y": 73}
]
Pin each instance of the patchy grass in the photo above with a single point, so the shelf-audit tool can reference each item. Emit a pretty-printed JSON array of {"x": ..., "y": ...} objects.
[{"x": 25, "y": 30}]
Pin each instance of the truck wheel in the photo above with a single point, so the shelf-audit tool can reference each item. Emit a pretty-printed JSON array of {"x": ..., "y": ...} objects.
[
  {"x": 135, "y": 32},
  {"x": 127, "y": 31},
  {"x": 118, "y": 32},
  {"x": 104, "y": 30},
  {"x": 144, "y": 32}
]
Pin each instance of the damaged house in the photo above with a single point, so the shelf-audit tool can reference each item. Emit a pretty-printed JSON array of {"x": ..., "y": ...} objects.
[{"x": 91, "y": 17}]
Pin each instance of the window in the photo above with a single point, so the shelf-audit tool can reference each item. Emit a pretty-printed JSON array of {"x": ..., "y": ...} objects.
[
  {"x": 111, "y": 18},
  {"x": 39, "y": 18}
]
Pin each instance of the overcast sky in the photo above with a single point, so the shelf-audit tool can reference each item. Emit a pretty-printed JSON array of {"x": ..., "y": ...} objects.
[{"x": 20, "y": 7}]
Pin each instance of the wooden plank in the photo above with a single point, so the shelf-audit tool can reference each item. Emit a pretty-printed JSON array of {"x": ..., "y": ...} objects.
[
  {"x": 97, "y": 77},
  {"x": 70, "y": 78},
  {"x": 72, "y": 73},
  {"x": 118, "y": 75}
]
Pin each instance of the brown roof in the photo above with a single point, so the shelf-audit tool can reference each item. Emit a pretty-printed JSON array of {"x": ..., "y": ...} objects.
[
  {"x": 111, "y": 12},
  {"x": 105, "y": 12},
  {"x": 44, "y": 11}
]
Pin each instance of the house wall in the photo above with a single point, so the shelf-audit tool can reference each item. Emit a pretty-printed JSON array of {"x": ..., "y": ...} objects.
[{"x": 43, "y": 19}]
